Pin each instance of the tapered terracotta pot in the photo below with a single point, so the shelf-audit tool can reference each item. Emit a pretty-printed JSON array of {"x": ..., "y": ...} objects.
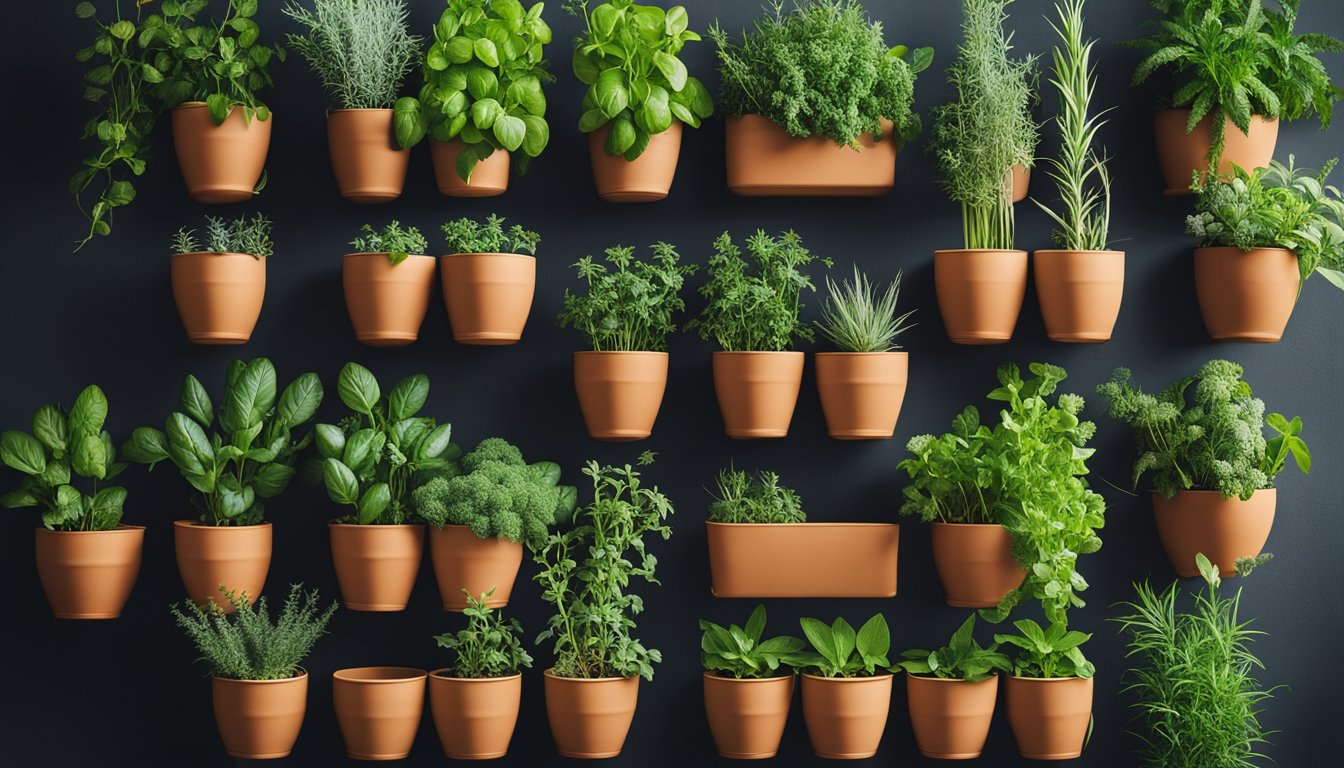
[
  {"x": 378, "y": 710},
  {"x": 951, "y": 717},
  {"x": 488, "y": 295},
  {"x": 376, "y": 565},
  {"x": 647, "y": 178},
  {"x": 260, "y": 719},
  {"x": 747, "y": 716},
  {"x": 846, "y": 716},
  {"x": 474, "y": 717},
  {"x": 1021, "y": 182},
  {"x": 1080, "y": 293},
  {"x": 387, "y": 303},
  {"x": 1049, "y": 716},
  {"x": 1195, "y": 522},
  {"x": 980, "y": 293},
  {"x": 861, "y": 392},
  {"x": 218, "y": 295},
  {"x": 490, "y": 177},
  {"x": 590, "y": 718},
  {"x": 975, "y": 563},
  {"x": 764, "y": 160},
  {"x": 620, "y": 392},
  {"x": 1181, "y": 154},
  {"x": 462, "y": 560},
  {"x": 1246, "y": 296},
  {"x": 236, "y": 556},
  {"x": 757, "y": 391},
  {"x": 220, "y": 163},
  {"x": 369, "y": 166},
  {"x": 803, "y": 559},
  {"x": 89, "y": 574}
]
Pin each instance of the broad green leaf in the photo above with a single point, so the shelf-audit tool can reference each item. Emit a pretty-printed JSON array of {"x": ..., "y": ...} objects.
[
  {"x": 50, "y": 427},
  {"x": 611, "y": 94},
  {"x": 272, "y": 479},
  {"x": 436, "y": 442},
  {"x": 300, "y": 400},
  {"x": 341, "y": 484},
  {"x": 22, "y": 452},
  {"x": 373, "y": 503},
  {"x": 330, "y": 441},
  {"x": 672, "y": 68},
  {"x": 185, "y": 434},
  {"x": 358, "y": 388},
  {"x": 510, "y": 131},
  {"x": 408, "y": 397},
  {"x": 89, "y": 458},
  {"x": 89, "y": 412},
  {"x": 196, "y": 402},
  {"x": 537, "y": 137}
]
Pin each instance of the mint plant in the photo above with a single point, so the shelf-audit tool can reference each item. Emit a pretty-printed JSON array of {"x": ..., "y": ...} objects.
[
  {"x": 1048, "y": 653},
  {"x": 838, "y": 651},
  {"x": 961, "y": 659},
  {"x": 740, "y": 653},
  {"x": 489, "y": 647}
]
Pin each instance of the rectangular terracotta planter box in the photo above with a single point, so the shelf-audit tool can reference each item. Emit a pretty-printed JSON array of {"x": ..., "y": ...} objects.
[
  {"x": 763, "y": 160},
  {"x": 803, "y": 559}
]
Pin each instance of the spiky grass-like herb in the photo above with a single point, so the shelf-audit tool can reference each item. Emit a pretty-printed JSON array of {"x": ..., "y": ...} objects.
[
  {"x": 359, "y": 49},
  {"x": 241, "y": 235},
  {"x": 856, "y": 319},
  {"x": 394, "y": 241},
  {"x": 245, "y": 644},
  {"x": 184, "y": 241}
]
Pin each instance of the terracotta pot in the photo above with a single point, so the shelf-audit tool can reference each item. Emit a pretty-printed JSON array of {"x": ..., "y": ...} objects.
[
  {"x": 1021, "y": 182},
  {"x": 376, "y": 565},
  {"x": 1246, "y": 296},
  {"x": 1049, "y": 716},
  {"x": 236, "y": 556},
  {"x": 757, "y": 391},
  {"x": 803, "y": 559},
  {"x": 490, "y": 177},
  {"x": 590, "y": 718},
  {"x": 1194, "y": 522},
  {"x": 378, "y": 710},
  {"x": 861, "y": 392},
  {"x": 1181, "y": 154},
  {"x": 1080, "y": 293},
  {"x": 845, "y": 716},
  {"x": 218, "y": 295},
  {"x": 260, "y": 719},
  {"x": 975, "y": 563},
  {"x": 620, "y": 392},
  {"x": 747, "y": 717},
  {"x": 387, "y": 303},
  {"x": 980, "y": 293},
  {"x": 220, "y": 163},
  {"x": 475, "y": 717},
  {"x": 369, "y": 166},
  {"x": 646, "y": 179},
  {"x": 764, "y": 160},
  {"x": 951, "y": 717},
  {"x": 488, "y": 295},
  {"x": 89, "y": 574},
  {"x": 462, "y": 560}
]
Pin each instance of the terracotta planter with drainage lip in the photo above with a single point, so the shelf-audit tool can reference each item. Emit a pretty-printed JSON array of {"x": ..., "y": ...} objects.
[
  {"x": 218, "y": 295},
  {"x": 378, "y": 710},
  {"x": 462, "y": 560},
  {"x": 846, "y": 716},
  {"x": 474, "y": 717},
  {"x": 1049, "y": 716},
  {"x": 861, "y": 392},
  {"x": 1080, "y": 293},
  {"x": 975, "y": 563},
  {"x": 620, "y": 392},
  {"x": 951, "y": 718},
  {"x": 747, "y": 716},
  {"x": 764, "y": 160},
  {"x": 757, "y": 391},
  {"x": 490, "y": 177},
  {"x": 1194, "y": 522},
  {"x": 1180, "y": 154},
  {"x": 803, "y": 559},
  {"x": 387, "y": 303},
  {"x": 980, "y": 293},
  {"x": 368, "y": 164},
  {"x": 376, "y": 565},
  {"x": 89, "y": 574},
  {"x": 220, "y": 163},
  {"x": 260, "y": 719},
  {"x": 590, "y": 717},
  {"x": 1021, "y": 182},
  {"x": 488, "y": 295},
  {"x": 645, "y": 179},
  {"x": 237, "y": 556},
  {"x": 1246, "y": 296}
]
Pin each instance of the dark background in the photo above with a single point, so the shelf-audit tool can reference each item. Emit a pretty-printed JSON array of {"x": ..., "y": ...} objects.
[{"x": 123, "y": 692}]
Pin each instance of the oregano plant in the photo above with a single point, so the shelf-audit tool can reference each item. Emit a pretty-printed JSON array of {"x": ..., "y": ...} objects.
[
  {"x": 631, "y": 302},
  {"x": 397, "y": 243}
]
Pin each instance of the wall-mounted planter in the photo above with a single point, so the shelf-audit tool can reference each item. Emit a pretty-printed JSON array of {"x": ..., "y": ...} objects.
[
  {"x": 757, "y": 391},
  {"x": 1246, "y": 296},
  {"x": 490, "y": 177},
  {"x": 387, "y": 303},
  {"x": 1180, "y": 154},
  {"x": 462, "y": 560},
  {"x": 368, "y": 164},
  {"x": 237, "y": 556},
  {"x": 218, "y": 295},
  {"x": 980, "y": 293},
  {"x": 376, "y": 565},
  {"x": 1080, "y": 293},
  {"x": 260, "y": 719},
  {"x": 1049, "y": 716},
  {"x": 975, "y": 563},
  {"x": 474, "y": 717},
  {"x": 89, "y": 574},
  {"x": 951, "y": 718},
  {"x": 1195, "y": 522},
  {"x": 378, "y": 710},
  {"x": 620, "y": 392},
  {"x": 861, "y": 392},
  {"x": 764, "y": 160},
  {"x": 845, "y": 716},
  {"x": 747, "y": 716},
  {"x": 590, "y": 718},
  {"x": 1021, "y": 182},
  {"x": 647, "y": 178},
  {"x": 803, "y": 559},
  {"x": 220, "y": 163},
  {"x": 488, "y": 295}
]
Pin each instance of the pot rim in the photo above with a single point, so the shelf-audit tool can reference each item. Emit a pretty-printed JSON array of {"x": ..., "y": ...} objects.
[
  {"x": 385, "y": 254},
  {"x": 1222, "y": 249},
  {"x": 1204, "y": 492},
  {"x": 331, "y": 111},
  {"x": 640, "y": 352},
  {"x": 551, "y": 674},
  {"x": 458, "y": 140},
  {"x": 303, "y": 673},
  {"x": 203, "y": 105},
  {"x": 489, "y": 253},
  {"x": 759, "y": 352},
  {"x": 187, "y": 523},
  {"x": 218, "y": 253},
  {"x": 1186, "y": 110},
  {"x": 971, "y": 525},
  {"x": 1092, "y": 251},
  {"x": 980, "y": 250},
  {"x": 887, "y": 125},
  {"x": 925, "y": 678},
  {"x": 1046, "y": 679},
  {"x": 777, "y": 678},
  {"x": 438, "y": 674},
  {"x": 121, "y": 528},
  {"x": 335, "y": 524},
  {"x": 415, "y": 674},
  {"x": 862, "y": 354},
  {"x": 868, "y": 679},
  {"x": 457, "y": 526},
  {"x": 819, "y": 524}
]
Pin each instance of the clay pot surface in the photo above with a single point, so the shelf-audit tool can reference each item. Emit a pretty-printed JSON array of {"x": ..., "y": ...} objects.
[
  {"x": 861, "y": 392},
  {"x": 260, "y": 719},
  {"x": 376, "y": 565},
  {"x": 89, "y": 574},
  {"x": 387, "y": 303},
  {"x": 1180, "y": 154},
  {"x": 236, "y": 556},
  {"x": 764, "y": 160},
  {"x": 488, "y": 295},
  {"x": 1049, "y": 717},
  {"x": 474, "y": 717},
  {"x": 803, "y": 559},
  {"x": 846, "y": 716},
  {"x": 1195, "y": 522},
  {"x": 1080, "y": 293},
  {"x": 218, "y": 295},
  {"x": 747, "y": 716},
  {"x": 951, "y": 718},
  {"x": 1021, "y": 182},
  {"x": 368, "y": 164},
  {"x": 490, "y": 177},
  {"x": 1246, "y": 296},
  {"x": 464, "y": 561},
  {"x": 378, "y": 710},
  {"x": 220, "y": 163},
  {"x": 757, "y": 391},
  {"x": 590, "y": 718},
  {"x": 975, "y": 563},
  {"x": 980, "y": 293},
  {"x": 647, "y": 178},
  {"x": 620, "y": 392}
]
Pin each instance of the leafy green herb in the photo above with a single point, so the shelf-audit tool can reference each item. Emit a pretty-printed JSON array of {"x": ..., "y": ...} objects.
[
  {"x": 241, "y": 235},
  {"x": 489, "y": 646},
  {"x": 394, "y": 241},
  {"x": 961, "y": 659},
  {"x": 741, "y": 653},
  {"x": 744, "y": 499},
  {"x": 1048, "y": 653},
  {"x": 217, "y": 62},
  {"x": 837, "y": 651},
  {"x": 469, "y": 236},
  {"x": 856, "y": 319},
  {"x": 246, "y": 644},
  {"x": 631, "y": 307},
  {"x": 359, "y": 49}
]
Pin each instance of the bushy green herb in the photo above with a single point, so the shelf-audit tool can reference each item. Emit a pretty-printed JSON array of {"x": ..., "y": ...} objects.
[
  {"x": 1048, "y": 653},
  {"x": 856, "y": 319},
  {"x": 61, "y": 444},
  {"x": 489, "y": 646},
  {"x": 394, "y": 241},
  {"x": 837, "y": 651},
  {"x": 961, "y": 659},
  {"x": 628, "y": 308},
  {"x": 822, "y": 69},
  {"x": 217, "y": 62},
  {"x": 359, "y": 49},
  {"x": 241, "y": 235},
  {"x": 470, "y": 236},
  {"x": 246, "y": 644},
  {"x": 1216, "y": 444},
  {"x": 742, "y": 654},
  {"x": 744, "y": 499}
]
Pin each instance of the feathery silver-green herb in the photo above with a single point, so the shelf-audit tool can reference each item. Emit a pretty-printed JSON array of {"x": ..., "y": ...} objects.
[
  {"x": 359, "y": 49},
  {"x": 392, "y": 240},
  {"x": 251, "y": 236},
  {"x": 246, "y": 644},
  {"x": 742, "y": 498}
]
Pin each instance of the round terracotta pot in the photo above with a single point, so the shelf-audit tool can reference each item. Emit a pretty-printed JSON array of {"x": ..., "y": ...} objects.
[
  {"x": 1049, "y": 716},
  {"x": 464, "y": 561},
  {"x": 757, "y": 391},
  {"x": 646, "y": 179},
  {"x": 951, "y": 717},
  {"x": 488, "y": 295},
  {"x": 369, "y": 166},
  {"x": 845, "y": 716},
  {"x": 387, "y": 303},
  {"x": 260, "y": 719},
  {"x": 1181, "y": 154},
  {"x": 980, "y": 293},
  {"x": 861, "y": 392},
  {"x": 747, "y": 717},
  {"x": 1080, "y": 293},
  {"x": 236, "y": 556},
  {"x": 474, "y": 717},
  {"x": 378, "y": 710},
  {"x": 1246, "y": 296},
  {"x": 590, "y": 718},
  {"x": 762, "y": 159},
  {"x": 620, "y": 392},
  {"x": 220, "y": 163},
  {"x": 1021, "y": 182},
  {"x": 218, "y": 295},
  {"x": 490, "y": 177},
  {"x": 975, "y": 563},
  {"x": 376, "y": 565},
  {"x": 89, "y": 574},
  {"x": 803, "y": 559},
  {"x": 1195, "y": 522}
]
